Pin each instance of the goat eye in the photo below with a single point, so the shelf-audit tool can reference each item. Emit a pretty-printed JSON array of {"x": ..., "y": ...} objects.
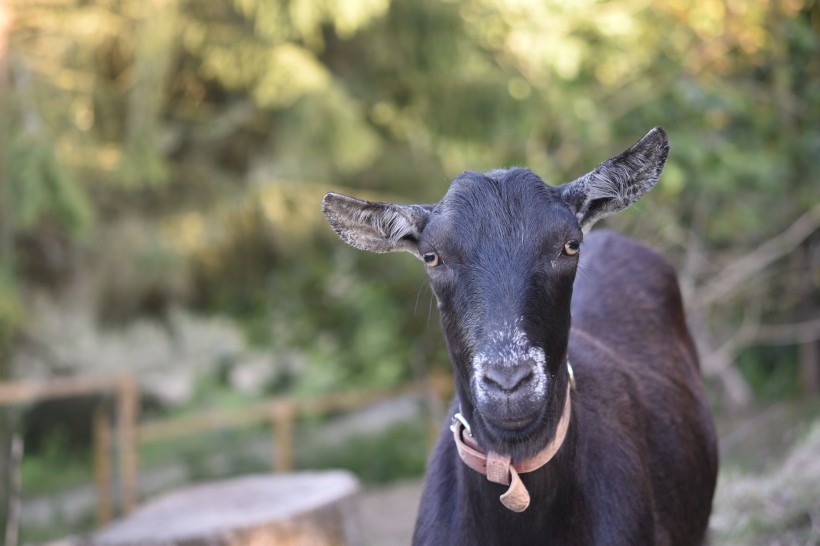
[
  {"x": 572, "y": 248},
  {"x": 431, "y": 259}
]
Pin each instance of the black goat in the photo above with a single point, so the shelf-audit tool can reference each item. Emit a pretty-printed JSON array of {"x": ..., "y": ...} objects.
[{"x": 629, "y": 457}]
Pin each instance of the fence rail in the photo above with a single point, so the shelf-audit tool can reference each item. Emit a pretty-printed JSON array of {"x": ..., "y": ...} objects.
[{"x": 125, "y": 434}]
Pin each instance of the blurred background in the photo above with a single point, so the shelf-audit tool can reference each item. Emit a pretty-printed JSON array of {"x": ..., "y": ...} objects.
[{"x": 162, "y": 164}]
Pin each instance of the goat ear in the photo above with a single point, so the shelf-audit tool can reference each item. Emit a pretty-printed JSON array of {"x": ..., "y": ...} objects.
[
  {"x": 618, "y": 182},
  {"x": 376, "y": 227}
]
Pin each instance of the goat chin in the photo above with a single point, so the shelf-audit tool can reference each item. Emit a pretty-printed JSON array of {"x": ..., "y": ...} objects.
[{"x": 518, "y": 438}]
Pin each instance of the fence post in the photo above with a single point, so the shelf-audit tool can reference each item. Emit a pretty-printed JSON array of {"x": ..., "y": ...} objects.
[
  {"x": 102, "y": 463},
  {"x": 282, "y": 414},
  {"x": 15, "y": 490},
  {"x": 127, "y": 415}
]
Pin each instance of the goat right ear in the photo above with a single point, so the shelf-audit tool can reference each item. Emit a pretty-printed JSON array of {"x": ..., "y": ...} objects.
[
  {"x": 376, "y": 227},
  {"x": 618, "y": 182}
]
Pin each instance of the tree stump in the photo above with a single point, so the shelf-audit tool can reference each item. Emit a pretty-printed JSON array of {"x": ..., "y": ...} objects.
[{"x": 311, "y": 508}]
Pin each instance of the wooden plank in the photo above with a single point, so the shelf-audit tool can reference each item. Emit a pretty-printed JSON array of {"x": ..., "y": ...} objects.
[
  {"x": 205, "y": 421},
  {"x": 128, "y": 415},
  {"x": 102, "y": 464},
  {"x": 283, "y": 415},
  {"x": 353, "y": 399},
  {"x": 26, "y": 392},
  {"x": 219, "y": 419}
]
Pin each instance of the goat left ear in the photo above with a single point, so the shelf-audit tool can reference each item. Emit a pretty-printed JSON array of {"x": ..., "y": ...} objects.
[
  {"x": 618, "y": 182},
  {"x": 376, "y": 227}
]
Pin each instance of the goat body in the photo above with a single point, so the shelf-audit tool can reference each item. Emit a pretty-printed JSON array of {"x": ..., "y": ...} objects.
[{"x": 638, "y": 464}]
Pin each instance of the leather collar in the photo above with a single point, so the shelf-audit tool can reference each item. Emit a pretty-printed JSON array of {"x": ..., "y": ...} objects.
[{"x": 499, "y": 468}]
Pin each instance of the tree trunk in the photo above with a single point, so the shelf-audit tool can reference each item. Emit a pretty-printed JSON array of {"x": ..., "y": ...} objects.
[{"x": 311, "y": 508}]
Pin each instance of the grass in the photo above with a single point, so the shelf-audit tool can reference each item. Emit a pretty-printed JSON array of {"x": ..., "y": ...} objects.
[
  {"x": 55, "y": 468},
  {"x": 780, "y": 506}
]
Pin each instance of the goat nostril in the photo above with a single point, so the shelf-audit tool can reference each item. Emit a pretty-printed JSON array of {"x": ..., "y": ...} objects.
[{"x": 507, "y": 380}]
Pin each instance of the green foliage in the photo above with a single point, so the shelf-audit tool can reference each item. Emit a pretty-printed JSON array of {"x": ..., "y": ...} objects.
[
  {"x": 12, "y": 311},
  {"x": 39, "y": 188},
  {"x": 395, "y": 453},
  {"x": 332, "y": 122},
  {"x": 771, "y": 372},
  {"x": 39, "y": 475},
  {"x": 58, "y": 529},
  {"x": 399, "y": 452},
  {"x": 174, "y": 118},
  {"x": 212, "y": 456},
  {"x": 351, "y": 330},
  {"x": 138, "y": 273}
]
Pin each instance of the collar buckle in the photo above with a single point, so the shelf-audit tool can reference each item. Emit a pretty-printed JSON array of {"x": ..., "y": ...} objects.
[{"x": 460, "y": 418}]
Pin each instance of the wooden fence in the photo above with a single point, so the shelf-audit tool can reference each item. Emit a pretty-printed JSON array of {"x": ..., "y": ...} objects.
[
  {"x": 124, "y": 388},
  {"x": 120, "y": 439}
]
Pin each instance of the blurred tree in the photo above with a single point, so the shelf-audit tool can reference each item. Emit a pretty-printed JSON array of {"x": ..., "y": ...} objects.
[{"x": 183, "y": 118}]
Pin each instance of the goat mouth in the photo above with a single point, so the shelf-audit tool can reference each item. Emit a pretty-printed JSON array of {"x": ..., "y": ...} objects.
[{"x": 503, "y": 426}]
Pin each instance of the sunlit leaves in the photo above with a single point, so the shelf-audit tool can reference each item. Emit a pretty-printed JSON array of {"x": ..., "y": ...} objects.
[
  {"x": 307, "y": 16},
  {"x": 93, "y": 75},
  {"x": 291, "y": 72}
]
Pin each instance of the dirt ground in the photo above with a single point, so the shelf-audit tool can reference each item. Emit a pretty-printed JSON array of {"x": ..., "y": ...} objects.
[{"x": 387, "y": 514}]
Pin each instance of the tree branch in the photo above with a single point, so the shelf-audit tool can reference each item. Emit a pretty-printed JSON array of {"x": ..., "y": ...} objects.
[
  {"x": 787, "y": 334},
  {"x": 741, "y": 270}
]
